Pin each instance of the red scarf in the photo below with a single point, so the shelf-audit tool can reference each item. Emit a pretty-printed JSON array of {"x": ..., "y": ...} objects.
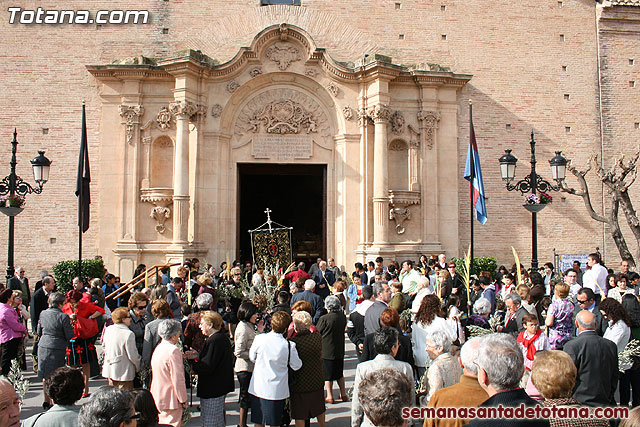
[{"x": 528, "y": 343}]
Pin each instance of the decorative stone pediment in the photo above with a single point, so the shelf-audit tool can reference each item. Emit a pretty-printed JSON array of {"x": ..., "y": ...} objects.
[{"x": 282, "y": 111}]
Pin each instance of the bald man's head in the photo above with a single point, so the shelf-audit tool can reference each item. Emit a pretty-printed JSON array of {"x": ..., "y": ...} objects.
[
  {"x": 9, "y": 405},
  {"x": 586, "y": 321}
]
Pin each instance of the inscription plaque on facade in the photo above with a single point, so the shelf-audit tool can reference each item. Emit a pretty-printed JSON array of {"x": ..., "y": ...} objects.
[{"x": 282, "y": 147}]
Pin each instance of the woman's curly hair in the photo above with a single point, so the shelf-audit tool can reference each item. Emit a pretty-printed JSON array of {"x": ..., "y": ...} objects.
[{"x": 429, "y": 309}]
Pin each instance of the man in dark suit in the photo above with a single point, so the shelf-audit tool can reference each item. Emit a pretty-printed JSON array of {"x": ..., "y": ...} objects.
[
  {"x": 596, "y": 359},
  {"x": 586, "y": 300},
  {"x": 513, "y": 322},
  {"x": 317, "y": 303},
  {"x": 324, "y": 279},
  {"x": 500, "y": 368},
  {"x": 20, "y": 283},
  {"x": 382, "y": 292},
  {"x": 39, "y": 301}
]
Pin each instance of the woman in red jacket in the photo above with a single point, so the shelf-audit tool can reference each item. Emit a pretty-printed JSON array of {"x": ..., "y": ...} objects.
[{"x": 81, "y": 349}]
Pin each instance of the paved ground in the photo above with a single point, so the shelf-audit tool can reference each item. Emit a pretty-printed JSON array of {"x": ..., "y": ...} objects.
[{"x": 337, "y": 415}]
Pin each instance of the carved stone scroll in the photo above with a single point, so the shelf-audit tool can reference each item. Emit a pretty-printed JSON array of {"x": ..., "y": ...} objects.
[
  {"x": 283, "y": 117},
  {"x": 131, "y": 118},
  {"x": 429, "y": 123},
  {"x": 333, "y": 88},
  {"x": 161, "y": 214},
  {"x": 255, "y": 71},
  {"x": 164, "y": 118},
  {"x": 399, "y": 215},
  {"x": 283, "y": 54},
  {"x": 232, "y": 86},
  {"x": 216, "y": 110},
  {"x": 397, "y": 122},
  {"x": 348, "y": 113},
  {"x": 282, "y": 111}
]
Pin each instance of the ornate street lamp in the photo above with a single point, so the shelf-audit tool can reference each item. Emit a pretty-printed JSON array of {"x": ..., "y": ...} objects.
[
  {"x": 13, "y": 186},
  {"x": 533, "y": 183}
]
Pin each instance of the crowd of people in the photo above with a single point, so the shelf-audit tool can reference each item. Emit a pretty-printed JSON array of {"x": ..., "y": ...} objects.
[{"x": 423, "y": 337}]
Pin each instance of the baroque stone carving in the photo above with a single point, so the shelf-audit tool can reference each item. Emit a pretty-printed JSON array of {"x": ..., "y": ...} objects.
[
  {"x": 161, "y": 198},
  {"x": 161, "y": 214},
  {"x": 255, "y": 71},
  {"x": 348, "y": 113},
  {"x": 232, "y": 86},
  {"x": 397, "y": 122},
  {"x": 284, "y": 31},
  {"x": 399, "y": 215},
  {"x": 309, "y": 114},
  {"x": 130, "y": 115},
  {"x": 310, "y": 72},
  {"x": 429, "y": 120},
  {"x": 283, "y": 54},
  {"x": 283, "y": 117},
  {"x": 216, "y": 110},
  {"x": 380, "y": 113},
  {"x": 183, "y": 109},
  {"x": 333, "y": 88},
  {"x": 164, "y": 118}
]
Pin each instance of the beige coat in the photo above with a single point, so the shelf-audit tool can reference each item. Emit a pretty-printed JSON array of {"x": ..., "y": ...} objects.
[
  {"x": 121, "y": 358},
  {"x": 242, "y": 344}
]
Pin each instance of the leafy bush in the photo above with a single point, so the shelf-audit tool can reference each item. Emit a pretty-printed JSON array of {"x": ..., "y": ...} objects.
[
  {"x": 480, "y": 264},
  {"x": 65, "y": 271}
]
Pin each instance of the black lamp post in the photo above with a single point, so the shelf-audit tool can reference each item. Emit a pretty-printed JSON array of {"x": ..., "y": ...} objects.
[
  {"x": 533, "y": 183},
  {"x": 13, "y": 186}
]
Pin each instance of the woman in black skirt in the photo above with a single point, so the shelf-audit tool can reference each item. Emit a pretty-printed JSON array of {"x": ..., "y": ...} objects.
[{"x": 332, "y": 326}]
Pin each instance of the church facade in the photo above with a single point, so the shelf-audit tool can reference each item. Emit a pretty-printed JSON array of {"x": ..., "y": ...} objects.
[{"x": 354, "y": 133}]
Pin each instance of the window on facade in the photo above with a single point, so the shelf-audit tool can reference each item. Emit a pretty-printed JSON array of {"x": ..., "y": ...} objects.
[{"x": 289, "y": 2}]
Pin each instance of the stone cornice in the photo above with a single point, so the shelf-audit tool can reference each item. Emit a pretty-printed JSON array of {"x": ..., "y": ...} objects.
[
  {"x": 368, "y": 68},
  {"x": 128, "y": 72}
]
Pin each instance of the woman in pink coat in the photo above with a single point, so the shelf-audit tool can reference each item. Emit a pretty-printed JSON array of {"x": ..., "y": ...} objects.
[{"x": 168, "y": 385}]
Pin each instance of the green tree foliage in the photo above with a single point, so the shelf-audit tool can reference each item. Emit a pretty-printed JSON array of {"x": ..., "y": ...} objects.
[
  {"x": 65, "y": 271},
  {"x": 480, "y": 264}
]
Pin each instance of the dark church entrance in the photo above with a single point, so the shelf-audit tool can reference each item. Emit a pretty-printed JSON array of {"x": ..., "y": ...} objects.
[{"x": 296, "y": 195}]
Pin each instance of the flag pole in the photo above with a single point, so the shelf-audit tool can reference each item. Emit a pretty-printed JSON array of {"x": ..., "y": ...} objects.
[
  {"x": 471, "y": 181},
  {"x": 80, "y": 199}
]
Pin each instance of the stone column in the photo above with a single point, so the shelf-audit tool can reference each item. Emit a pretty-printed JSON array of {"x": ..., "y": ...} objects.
[
  {"x": 380, "y": 114},
  {"x": 183, "y": 110}
]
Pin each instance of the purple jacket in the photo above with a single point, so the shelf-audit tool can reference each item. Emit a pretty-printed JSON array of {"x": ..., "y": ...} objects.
[{"x": 10, "y": 325}]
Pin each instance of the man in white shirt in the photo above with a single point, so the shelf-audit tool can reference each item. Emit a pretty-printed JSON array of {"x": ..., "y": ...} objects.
[
  {"x": 595, "y": 278},
  {"x": 409, "y": 278},
  {"x": 571, "y": 279}
]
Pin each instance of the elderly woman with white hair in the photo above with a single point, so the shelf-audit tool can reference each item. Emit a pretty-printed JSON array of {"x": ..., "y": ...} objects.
[
  {"x": 332, "y": 326},
  {"x": 193, "y": 336},
  {"x": 307, "y": 392},
  {"x": 424, "y": 288},
  {"x": 168, "y": 385},
  {"x": 444, "y": 370},
  {"x": 480, "y": 316}
]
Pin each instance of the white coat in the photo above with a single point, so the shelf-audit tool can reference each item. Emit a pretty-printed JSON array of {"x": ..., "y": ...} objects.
[{"x": 121, "y": 358}]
